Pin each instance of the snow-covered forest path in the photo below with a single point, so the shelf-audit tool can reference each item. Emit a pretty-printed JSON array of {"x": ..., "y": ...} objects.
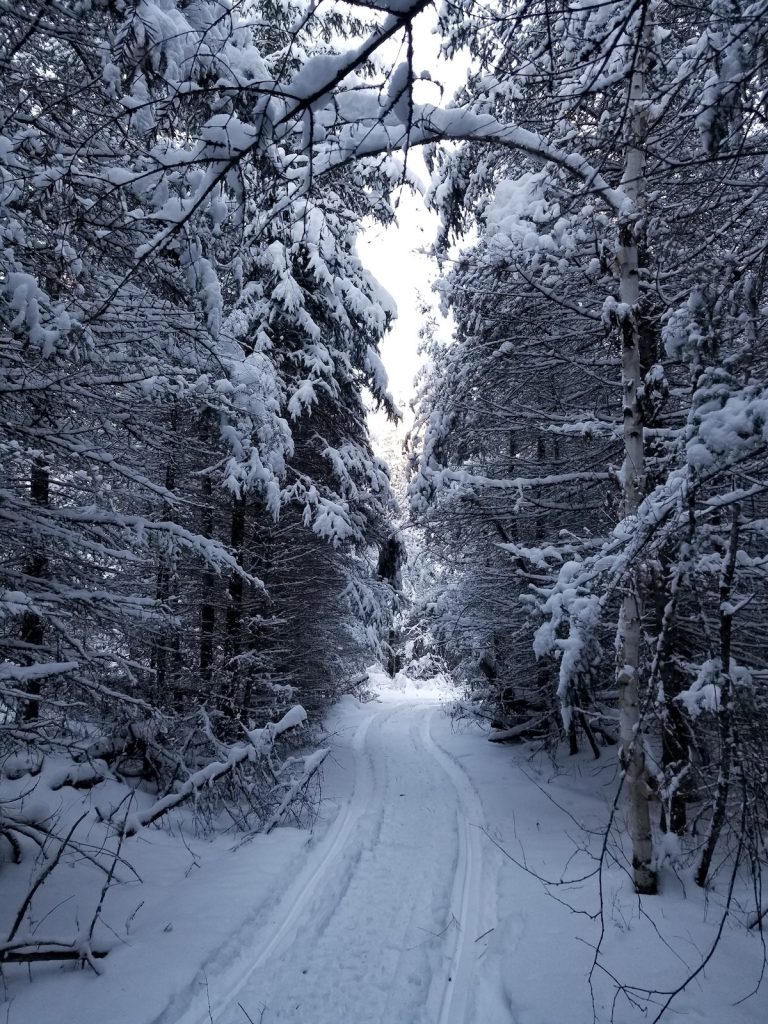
[
  {"x": 385, "y": 921},
  {"x": 399, "y": 907}
]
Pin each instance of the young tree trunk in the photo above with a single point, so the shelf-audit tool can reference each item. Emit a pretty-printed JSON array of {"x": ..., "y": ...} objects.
[
  {"x": 675, "y": 740},
  {"x": 261, "y": 556},
  {"x": 207, "y": 606},
  {"x": 725, "y": 710},
  {"x": 235, "y": 608},
  {"x": 632, "y": 754},
  {"x": 162, "y": 647},
  {"x": 629, "y": 639},
  {"x": 32, "y": 628}
]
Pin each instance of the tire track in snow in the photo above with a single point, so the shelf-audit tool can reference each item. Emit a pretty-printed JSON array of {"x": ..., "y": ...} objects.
[
  {"x": 403, "y": 964},
  {"x": 471, "y": 919},
  {"x": 298, "y": 897}
]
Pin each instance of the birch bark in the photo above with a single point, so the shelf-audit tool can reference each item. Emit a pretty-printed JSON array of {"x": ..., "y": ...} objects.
[{"x": 629, "y": 638}]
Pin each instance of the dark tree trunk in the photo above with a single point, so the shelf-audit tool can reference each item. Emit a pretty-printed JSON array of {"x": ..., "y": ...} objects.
[
  {"x": 163, "y": 645},
  {"x": 725, "y": 710},
  {"x": 207, "y": 606},
  {"x": 32, "y": 627},
  {"x": 234, "y": 625}
]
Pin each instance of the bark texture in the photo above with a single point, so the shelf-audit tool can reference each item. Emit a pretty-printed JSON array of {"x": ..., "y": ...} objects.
[{"x": 629, "y": 640}]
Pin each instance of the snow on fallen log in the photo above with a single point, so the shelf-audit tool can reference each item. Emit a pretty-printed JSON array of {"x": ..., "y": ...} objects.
[
  {"x": 311, "y": 763},
  {"x": 260, "y": 746},
  {"x": 84, "y": 775},
  {"x": 263, "y": 740},
  {"x": 515, "y": 732},
  {"x": 35, "y": 950}
]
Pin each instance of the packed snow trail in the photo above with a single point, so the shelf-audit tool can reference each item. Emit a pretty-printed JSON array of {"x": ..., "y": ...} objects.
[
  {"x": 383, "y": 923},
  {"x": 397, "y": 908}
]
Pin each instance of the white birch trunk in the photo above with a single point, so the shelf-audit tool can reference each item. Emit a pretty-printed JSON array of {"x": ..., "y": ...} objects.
[{"x": 629, "y": 639}]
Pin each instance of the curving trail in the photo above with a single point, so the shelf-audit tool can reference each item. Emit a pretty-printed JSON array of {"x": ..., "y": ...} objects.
[{"x": 382, "y": 924}]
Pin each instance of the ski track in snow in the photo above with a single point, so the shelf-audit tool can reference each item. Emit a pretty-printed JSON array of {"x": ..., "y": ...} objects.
[
  {"x": 474, "y": 921},
  {"x": 384, "y": 923}
]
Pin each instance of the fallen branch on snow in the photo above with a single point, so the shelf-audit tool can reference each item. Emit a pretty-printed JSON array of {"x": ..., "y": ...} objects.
[
  {"x": 25, "y": 951},
  {"x": 516, "y": 732},
  {"x": 260, "y": 746},
  {"x": 311, "y": 764}
]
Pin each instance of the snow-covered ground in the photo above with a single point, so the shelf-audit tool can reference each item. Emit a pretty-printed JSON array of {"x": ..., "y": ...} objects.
[{"x": 401, "y": 906}]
